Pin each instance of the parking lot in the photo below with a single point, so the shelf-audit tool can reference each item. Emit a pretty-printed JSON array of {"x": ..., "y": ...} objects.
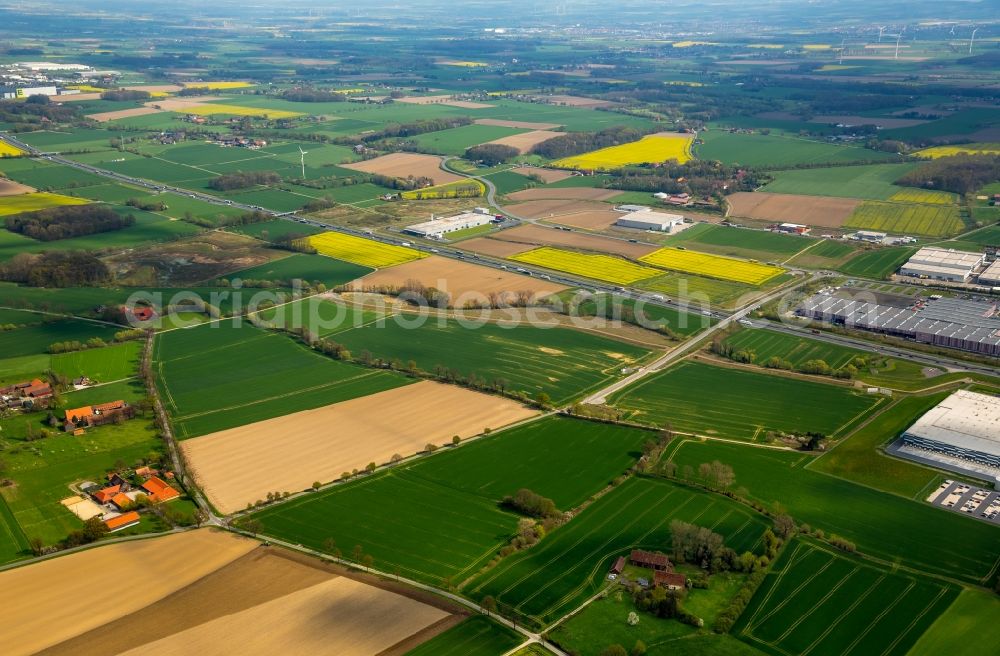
[{"x": 967, "y": 499}]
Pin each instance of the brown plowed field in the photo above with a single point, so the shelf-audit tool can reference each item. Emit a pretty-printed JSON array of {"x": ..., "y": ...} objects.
[
  {"x": 463, "y": 281},
  {"x": 401, "y": 165},
  {"x": 533, "y": 235},
  {"x": 568, "y": 193},
  {"x": 526, "y": 141},
  {"x": 544, "y": 209},
  {"x": 241, "y": 465},
  {"x": 11, "y": 188},
  {"x": 124, "y": 113},
  {"x": 76, "y": 97},
  {"x": 494, "y": 247},
  {"x": 231, "y": 610},
  {"x": 157, "y": 88},
  {"x": 527, "y": 125},
  {"x": 181, "y": 104},
  {"x": 55, "y": 600},
  {"x": 576, "y": 101},
  {"x": 589, "y": 220},
  {"x": 819, "y": 211}
]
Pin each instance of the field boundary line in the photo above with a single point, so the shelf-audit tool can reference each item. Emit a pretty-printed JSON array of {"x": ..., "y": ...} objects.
[
  {"x": 793, "y": 559},
  {"x": 822, "y": 600}
]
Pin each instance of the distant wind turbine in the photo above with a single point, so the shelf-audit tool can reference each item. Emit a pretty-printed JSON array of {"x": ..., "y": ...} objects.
[
  {"x": 302, "y": 159},
  {"x": 881, "y": 29},
  {"x": 898, "y": 37},
  {"x": 972, "y": 39}
]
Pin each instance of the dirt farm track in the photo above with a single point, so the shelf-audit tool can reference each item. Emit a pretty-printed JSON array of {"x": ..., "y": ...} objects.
[{"x": 320, "y": 444}]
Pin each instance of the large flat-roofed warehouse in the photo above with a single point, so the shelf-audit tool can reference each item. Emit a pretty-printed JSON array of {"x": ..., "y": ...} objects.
[
  {"x": 437, "y": 228},
  {"x": 991, "y": 276},
  {"x": 952, "y": 322},
  {"x": 962, "y": 431},
  {"x": 942, "y": 264},
  {"x": 645, "y": 219}
]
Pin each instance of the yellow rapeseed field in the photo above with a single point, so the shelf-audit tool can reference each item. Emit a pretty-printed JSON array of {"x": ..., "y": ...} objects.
[
  {"x": 6, "y": 150},
  {"x": 38, "y": 201},
  {"x": 236, "y": 110},
  {"x": 689, "y": 44},
  {"x": 219, "y": 85},
  {"x": 361, "y": 251},
  {"x": 935, "y": 152},
  {"x": 925, "y": 196},
  {"x": 712, "y": 266},
  {"x": 599, "y": 267},
  {"x": 464, "y": 64},
  {"x": 86, "y": 88},
  {"x": 817, "y": 46},
  {"x": 651, "y": 148}
]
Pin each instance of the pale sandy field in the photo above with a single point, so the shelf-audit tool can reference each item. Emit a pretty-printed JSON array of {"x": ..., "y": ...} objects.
[
  {"x": 576, "y": 101},
  {"x": 401, "y": 165},
  {"x": 181, "y": 104},
  {"x": 549, "y": 207},
  {"x": 820, "y": 211},
  {"x": 48, "y": 602},
  {"x": 467, "y": 104},
  {"x": 527, "y": 125},
  {"x": 494, "y": 247},
  {"x": 567, "y": 193},
  {"x": 11, "y": 188},
  {"x": 233, "y": 610},
  {"x": 526, "y": 141},
  {"x": 340, "y": 617},
  {"x": 124, "y": 113},
  {"x": 76, "y": 97},
  {"x": 461, "y": 280},
  {"x": 589, "y": 220},
  {"x": 442, "y": 100},
  {"x": 156, "y": 88},
  {"x": 241, "y": 465}
]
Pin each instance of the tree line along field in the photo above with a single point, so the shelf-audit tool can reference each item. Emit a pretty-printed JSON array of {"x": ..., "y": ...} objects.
[
  {"x": 229, "y": 373},
  {"x": 560, "y": 362},
  {"x": 777, "y": 150},
  {"x": 935, "y": 220},
  {"x": 740, "y": 403},
  {"x": 439, "y": 518},
  {"x": 884, "y": 526},
  {"x": 569, "y": 566},
  {"x": 815, "y": 602}
]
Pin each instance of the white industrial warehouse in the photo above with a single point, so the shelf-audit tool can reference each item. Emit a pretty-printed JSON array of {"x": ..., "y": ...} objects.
[
  {"x": 942, "y": 264},
  {"x": 647, "y": 219},
  {"x": 438, "y": 228},
  {"x": 962, "y": 430}
]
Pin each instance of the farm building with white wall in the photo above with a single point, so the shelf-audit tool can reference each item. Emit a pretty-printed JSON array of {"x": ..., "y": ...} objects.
[
  {"x": 991, "y": 276},
  {"x": 942, "y": 264},
  {"x": 438, "y": 228}
]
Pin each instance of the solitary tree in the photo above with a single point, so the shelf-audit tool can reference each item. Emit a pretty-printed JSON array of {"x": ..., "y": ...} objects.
[{"x": 488, "y": 604}]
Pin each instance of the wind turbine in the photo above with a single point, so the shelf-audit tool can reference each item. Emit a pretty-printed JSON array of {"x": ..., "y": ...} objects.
[
  {"x": 898, "y": 37},
  {"x": 972, "y": 39},
  {"x": 302, "y": 160},
  {"x": 881, "y": 29}
]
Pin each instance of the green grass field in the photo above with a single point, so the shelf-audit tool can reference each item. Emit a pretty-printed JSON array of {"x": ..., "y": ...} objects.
[
  {"x": 872, "y": 181},
  {"x": 561, "y": 362},
  {"x": 36, "y": 339},
  {"x": 271, "y": 230},
  {"x": 696, "y": 290},
  {"x": 456, "y": 140},
  {"x": 974, "y": 613},
  {"x": 734, "y": 242},
  {"x": 767, "y": 344},
  {"x": 567, "y": 567},
  {"x": 813, "y": 601},
  {"x": 102, "y": 365},
  {"x": 877, "y": 263},
  {"x": 885, "y": 526},
  {"x": 777, "y": 150},
  {"x": 906, "y": 218},
  {"x": 13, "y": 543},
  {"x": 476, "y": 636},
  {"x": 311, "y": 268},
  {"x": 828, "y": 254},
  {"x": 649, "y": 315},
  {"x": 219, "y": 376},
  {"x": 739, "y": 403},
  {"x": 439, "y": 517}
]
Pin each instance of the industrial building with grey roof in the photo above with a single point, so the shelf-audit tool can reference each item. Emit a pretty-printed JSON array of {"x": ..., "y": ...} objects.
[
  {"x": 963, "y": 427},
  {"x": 969, "y": 325}
]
